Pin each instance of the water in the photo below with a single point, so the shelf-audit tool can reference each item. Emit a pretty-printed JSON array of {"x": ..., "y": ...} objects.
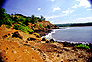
[{"x": 72, "y": 34}]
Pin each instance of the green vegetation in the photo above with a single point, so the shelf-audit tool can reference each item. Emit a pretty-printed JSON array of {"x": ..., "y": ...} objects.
[
  {"x": 23, "y": 28},
  {"x": 37, "y": 35},
  {"x": 45, "y": 26},
  {"x": 52, "y": 41},
  {"x": 34, "y": 19},
  {"x": 74, "y": 24},
  {"x": 40, "y": 20},
  {"x": 32, "y": 27},
  {"x": 49, "y": 21},
  {"x": 19, "y": 21},
  {"x": 49, "y": 26},
  {"x": 82, "y": 45},
  {"x": 40, "y": 26},
  {"x": 8, "y": 26}
]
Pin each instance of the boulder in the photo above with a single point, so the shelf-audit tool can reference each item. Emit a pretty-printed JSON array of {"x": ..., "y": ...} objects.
[
  {"x": 17, "y": 35},
  {"x": 43, "y": 39}
]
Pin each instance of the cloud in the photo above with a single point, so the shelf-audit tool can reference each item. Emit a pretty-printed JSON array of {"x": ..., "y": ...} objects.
[
  {"x": 57, "y": 8},
  {"x": 82, "y": 3},
  {"x": 39, "y": 9},
  {"x": 77, "y": 20},
  {"x": 54, "y": 16},
  {"x": 51, "y": 17},
  {"x": 89, "y": 19},
  {"x": 52, "y": 0},
  {"x": 68, "y": 11},
  {"x": 75, "y": 6},
  {"x": 81, "y": 20}
]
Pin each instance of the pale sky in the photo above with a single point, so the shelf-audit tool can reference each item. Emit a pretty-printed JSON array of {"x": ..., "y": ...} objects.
[{"x": 55, "y": 11}]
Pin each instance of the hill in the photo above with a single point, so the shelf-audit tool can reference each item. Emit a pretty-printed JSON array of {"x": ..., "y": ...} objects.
[{"x": 20, "y": 42}]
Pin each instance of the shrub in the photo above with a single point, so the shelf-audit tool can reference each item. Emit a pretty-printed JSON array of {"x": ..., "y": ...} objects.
[
  {"x": 32, "y": 27},
  {"x": 8, "y": 26},
  {"x": 45, "y": 26},
  {"x": 52, "y": 41},
  {"x": 49, "y": 27},
  {"x": 16, "y": 26},
  {"x": 33, "y": 19},
  {"x": 40, "y": 20},
  {"x": 23, "y": 28},
  {"x": 37, "y": 35},
  {"x": 49, "y": 21},
  {"x": 40, "y": 26},
  {"x": 82, "y": 45},
  {"x": 13, "y": 22}
]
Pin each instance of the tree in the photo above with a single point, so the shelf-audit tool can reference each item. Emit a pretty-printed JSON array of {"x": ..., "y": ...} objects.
[
  {"x": 27, "y": 20},
  {"x": 2, "y": 13},
  {"x": 40, "y": 20},
  {"x": 42, "y": 17},
  {"x": 16, "y": 18},
  {"x": 33, "y": 20}
]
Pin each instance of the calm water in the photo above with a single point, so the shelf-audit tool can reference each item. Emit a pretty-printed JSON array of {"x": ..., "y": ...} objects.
[{"x": 73, "y": 34}]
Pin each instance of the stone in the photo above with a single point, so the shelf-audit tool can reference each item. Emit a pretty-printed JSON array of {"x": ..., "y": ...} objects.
[
  {"x": 17, "y": 35},
  {"x": 43, "y": 39}
]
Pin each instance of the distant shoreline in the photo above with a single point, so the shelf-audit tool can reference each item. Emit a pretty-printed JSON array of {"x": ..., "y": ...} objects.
[{"x": 53, "y": 30}]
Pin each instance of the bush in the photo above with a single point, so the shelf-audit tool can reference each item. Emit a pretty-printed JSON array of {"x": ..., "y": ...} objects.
[
  {"x": 49, "y": 21},
  {"x": 8, "y": 26},
  {"x": 40, "y": 20},
  {"x": 52, "y": 41},
  {"x": 45, "y": 26},
  {"x": 13, "y": 22},
  {"x": 37, "y": 35},
  {"x": 16, "y": 26},
  {"x": 82, "y": 45},
  {"x": 40, "y": 26},
  {"x": 32, "y": 27},
  {"x": 33, "y": 19},
  {"x": 23, "y": 28},
  {"x": 49, "y": 27}
]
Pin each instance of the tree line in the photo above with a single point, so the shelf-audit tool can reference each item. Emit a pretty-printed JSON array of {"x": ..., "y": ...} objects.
[
  {"x": 19, "y": 21},
  {"x": 74, "y": 24}
]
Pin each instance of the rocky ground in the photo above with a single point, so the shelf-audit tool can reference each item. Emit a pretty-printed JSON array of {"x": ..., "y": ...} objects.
[{"x": 16, "y": 46}]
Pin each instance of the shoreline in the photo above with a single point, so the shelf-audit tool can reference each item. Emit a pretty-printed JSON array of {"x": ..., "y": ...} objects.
[
  {"x": 45, "y": 50},
  {"x": 49, "y": 34}
]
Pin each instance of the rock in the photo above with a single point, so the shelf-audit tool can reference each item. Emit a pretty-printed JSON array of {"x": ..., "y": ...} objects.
[
  {"x": 80, "y": 56},
  {"x": 5, "y": 36},
  {"x": 30, "y": 39},
  {"x": 58, "y": 55},
  {"x": 25, "y": 50},
  {"x": 51, "y": 40},
  {"x": 16, "y": 34},
  {"x": 43, "y": 39},
  {"x": 39, "y": 50},
  {"x": 47, "y": 41},
  {"x": 14, "y": 51},
  {"x": 26, "y": 41}
]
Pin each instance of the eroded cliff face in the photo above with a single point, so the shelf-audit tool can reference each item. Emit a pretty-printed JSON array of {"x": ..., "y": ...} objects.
[{"x": 17, "y": 46}]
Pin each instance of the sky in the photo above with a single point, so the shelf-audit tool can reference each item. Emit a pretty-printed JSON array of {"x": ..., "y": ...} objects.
[{"x": 55, "y": 11}]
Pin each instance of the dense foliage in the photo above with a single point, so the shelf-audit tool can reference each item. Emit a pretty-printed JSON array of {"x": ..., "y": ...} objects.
[
  {"x": 82, "y": 45},
  {"x": 40, "y": 26},
  {"x": 20, "y": 21},
  {"x": 74, "y": 24},
  {"x": 40, "y": 20},
  {"x": 23, "y": 28}
]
